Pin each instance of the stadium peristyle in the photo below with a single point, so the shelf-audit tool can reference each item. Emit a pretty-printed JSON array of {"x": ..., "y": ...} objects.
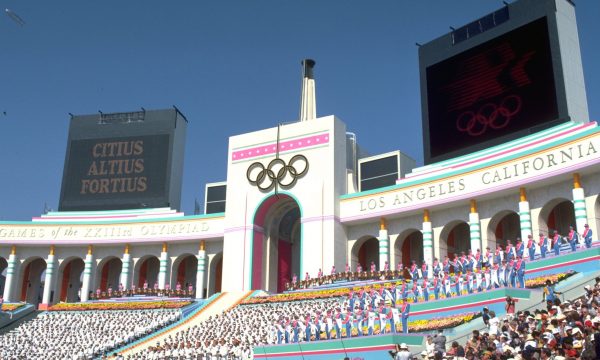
[{"x": 310, "y": 248}]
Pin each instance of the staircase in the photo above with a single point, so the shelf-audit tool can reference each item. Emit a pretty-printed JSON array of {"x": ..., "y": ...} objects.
[{"x": 223, "y": 302}]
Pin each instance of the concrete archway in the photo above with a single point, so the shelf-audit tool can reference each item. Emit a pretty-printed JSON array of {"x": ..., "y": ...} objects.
[
  {"x": 557, "y": 214},
  {"x": 184, "y": 270},
  {"x": 408, "y": 247},
  {"x": 108, "y": 273},
  {"x": 456, "y": 238},
  {"x": 31, "y": 280},
  {"x": 504, "y": 225},
  {"x": 70, "y": 273},
  {"x": 3, "y": 270},
  {"x": 146, "y": 271},
  {"x": 276, "y": 243},
  {"x": 365, "y": 251},
  {"x": 215, "y": 274}
]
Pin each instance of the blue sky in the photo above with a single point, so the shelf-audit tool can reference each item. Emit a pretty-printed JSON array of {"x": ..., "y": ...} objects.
[{"x": 230, "y": 66}]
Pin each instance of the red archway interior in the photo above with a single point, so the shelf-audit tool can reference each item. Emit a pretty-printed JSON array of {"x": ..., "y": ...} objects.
[
  {"x": 218, "y": 275},
  {"x": 104, "y": 278},
  {"x": 25, "y": 282},
  {"x": 65, "y": 281},
  {"x": 181, "y": 271},
  {"x": 143, "y": 274}
]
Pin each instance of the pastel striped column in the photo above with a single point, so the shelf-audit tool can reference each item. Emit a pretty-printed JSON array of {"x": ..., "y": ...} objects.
[
  {"x": 384, "y": 245},
  {"x": 201, "y": 273},
  {"x": 474, "y": 228},
  {"x": 524, "y": 218},
  {"x": 427, "y": 242},
  {"x": 10, "y": 273},
  {"x": 162, "y": 272},
  {"x": 126, "y": 260},
  {"x": 87, "y": 275},
  {"x": 579, "y": 204},
  {"x": 49, "y": 278}
]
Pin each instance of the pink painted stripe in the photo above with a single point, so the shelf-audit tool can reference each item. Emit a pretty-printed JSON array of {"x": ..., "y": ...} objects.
[
  {"x": 324, "y": 352},
  {"x": 148, "y": 216},
  {"x": 488, "y": 190},
  {"x": 305, "y": 220},
  {"x": 283, "y": 146},
  {"x": 456, "y": 307},
  {"x": 572, "y": 262},
  {"x": 505, "y": 152}
]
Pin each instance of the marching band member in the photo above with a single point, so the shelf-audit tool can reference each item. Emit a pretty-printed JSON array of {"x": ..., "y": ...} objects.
[
  {"x": 469, "y": 281},
  {"x": 531, "y": 246},
  {"x": 495, "y": 275},
  {"x": 436, "y": 267},
  {"x": 520, "y": 270},
  {"x": 509, "y": 251},
  {"x": 447, "y": 286},
  {"x": 502, "y": 274},
  {"x": 543, "y": 243},
  {"x": 478, "y": 280},
  {"x": 404, "y": 311},
  {"x": 488, "y": 258},
  {"x": 556, "y": 243},
  {"x": 519, "y": 248},
  {"x": 587, "y": 236},
  {"x": 498, "y": 255},
  {"x": 424, "y": 272},
  {"x": 573, "y": 238},
  {"x": 511, "y": 275},
  {"x": 446, "y": 265}
]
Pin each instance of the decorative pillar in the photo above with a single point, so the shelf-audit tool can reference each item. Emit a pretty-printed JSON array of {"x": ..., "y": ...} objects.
[
  {"x": 427, "y": 242},
  {"x": 162, "y": 273},
  {"x": 579, "y": 204},
  {"x": 87, "y": 275},
  {"x": 126, "y": 260},
  {"x": 49, "y": 278},
  {"x": 474, "y": 227},
  {"x": 201, "y": 273},
  {"x": 10, "y": 273},
  {"x": 524, "y": 217},
  {"x": 384, "y": 245}
]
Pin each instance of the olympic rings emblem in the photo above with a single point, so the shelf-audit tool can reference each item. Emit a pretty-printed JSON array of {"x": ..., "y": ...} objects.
[
  {"x": 489, "y": 115},
  {"x": 277, "y": 172}
]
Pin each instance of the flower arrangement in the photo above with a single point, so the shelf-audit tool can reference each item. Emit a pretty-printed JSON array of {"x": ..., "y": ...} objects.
[
  {"x": 439, "y": 323},
  {"x": 540, "y": 281},
  {"x": 133, "y": 305},
  {"x": 12, "y": 306}
]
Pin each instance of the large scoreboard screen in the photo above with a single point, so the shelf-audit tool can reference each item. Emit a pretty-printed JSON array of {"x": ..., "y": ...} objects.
[
  {"x": 500, "y": 87},
  {"x": 124, "y": 161}
]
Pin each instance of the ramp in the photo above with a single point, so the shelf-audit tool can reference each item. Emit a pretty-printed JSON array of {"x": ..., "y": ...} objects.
[{"x": 221, "y": 303}]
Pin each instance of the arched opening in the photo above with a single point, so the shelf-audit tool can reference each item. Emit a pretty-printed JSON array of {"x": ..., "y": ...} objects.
[
  {"x": 505, "y": 225},
  {"x": 70, "y": 273},
  {"x": 108, "y": 273},
  {"x": 557, "y": 214},
  {"x": 277, "y": 243},
  {"x": 146, "y": 271},
  {"x": 409, "y": 246},
  {"x": 183, "y": 273},
  {"x": 365, "y": 251},
  {"x": 3, "y": 270},
  {"x": 456, "y": 237},
  {"x": 215, "y": 274},
  {"x": 32, "y": 280}
]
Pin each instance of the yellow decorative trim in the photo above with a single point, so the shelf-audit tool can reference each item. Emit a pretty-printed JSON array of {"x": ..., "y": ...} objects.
[
  {"x": 522, "y": 194},
  {"x": 165, "y": 247},
  {"x": 576, "y": 181},
  {"x": 382, "y": 224},
  {"x": 426, "y": 215},
  {"x": 202, "y": 245},
  {"x": 473, "y": 206},
  {"x": 126, "y": 248},
  {"x": 90, "y": 248},
  {"x": 51, "y": 249},
  {"x": 13, "y": 250}
]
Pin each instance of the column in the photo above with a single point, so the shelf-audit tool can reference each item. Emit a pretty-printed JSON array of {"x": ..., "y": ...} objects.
[
  {"x": 427, "y": 242},
  {"x": 384, "y": 245},
  {"x": 126, "y": 260},
  {"x": 87, "y": 275},
  {"x": 524, "y": 218},
  {"x": 579, "y": 204},
  {"x": 162, "y": 273},
  {"x": 474, "y": 227},
  {"x": 10, "y": 275},
  {"x": 201, "y": 273},
  {"x": 49, "y": 278}
]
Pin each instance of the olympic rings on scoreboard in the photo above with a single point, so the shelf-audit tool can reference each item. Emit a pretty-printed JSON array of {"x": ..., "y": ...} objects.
[
  {"x": 277, "y": 172},
  {"x": 489, "y": 115}
]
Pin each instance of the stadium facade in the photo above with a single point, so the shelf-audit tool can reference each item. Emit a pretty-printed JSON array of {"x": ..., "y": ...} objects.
[{"x": 295, "y": 202}]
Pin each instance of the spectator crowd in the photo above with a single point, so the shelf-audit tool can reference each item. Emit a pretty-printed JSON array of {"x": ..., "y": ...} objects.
[{"x": 80, "y": 335}]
